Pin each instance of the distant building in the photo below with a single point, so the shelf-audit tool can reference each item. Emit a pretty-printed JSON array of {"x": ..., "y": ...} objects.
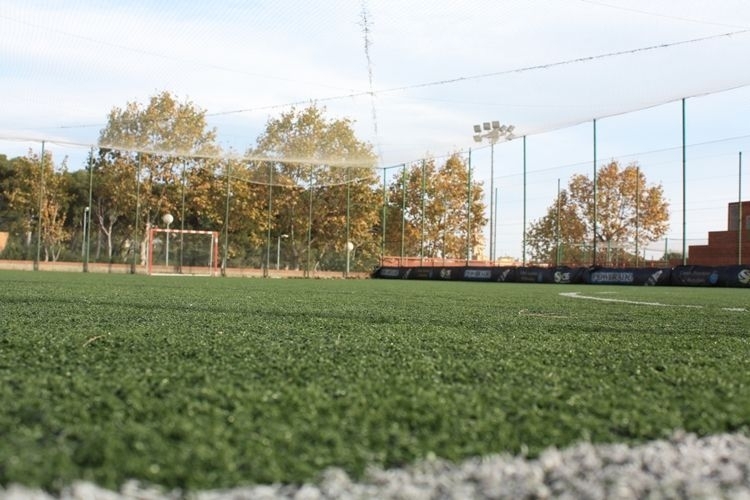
[{"x": 724, "y": 247}]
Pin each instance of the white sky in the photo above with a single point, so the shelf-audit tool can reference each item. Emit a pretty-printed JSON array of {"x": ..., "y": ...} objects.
[{"x": 628, "y": 63}]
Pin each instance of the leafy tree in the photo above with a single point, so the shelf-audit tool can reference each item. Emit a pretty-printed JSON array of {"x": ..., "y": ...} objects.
[
  {"x": 440, "y": 230},
  {"x": 628, "y": 211},
  {"x": 7, "y": 173},
  {"x": 320, "y": 163},
  {"x": 37, "y": 192},
  {"x": 146, "y": 155}
]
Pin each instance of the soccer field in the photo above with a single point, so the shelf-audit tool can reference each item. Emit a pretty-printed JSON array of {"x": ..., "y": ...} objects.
[{"x": 197, "y": 383}]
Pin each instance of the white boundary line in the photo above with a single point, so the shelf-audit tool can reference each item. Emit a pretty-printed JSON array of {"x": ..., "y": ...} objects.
[{"x": 577, "y": 295}]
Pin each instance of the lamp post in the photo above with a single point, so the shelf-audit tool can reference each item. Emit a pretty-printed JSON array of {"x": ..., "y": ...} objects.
[
  {"x": 85, "y": 239},
  {"x": 493, "y": 132},
  {"x": 278, "y": 249},
  {"x": 349, "y": 248},
  {"x": 167, "y": 219}
]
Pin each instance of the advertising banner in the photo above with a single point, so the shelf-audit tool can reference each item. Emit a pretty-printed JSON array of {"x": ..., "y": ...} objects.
[
  {"x": 695, "y": 276},
  {"x": 504, "y": 274},
  {"x": 728, "y": 276},
  {"x": 535, "y": 275},
  {"x": 732, "y": 276},
  {"x": 627, "y": 276},
  {"x": 388, "y": 272},
  {"x": 565, "y": 275},
  {"x": 419, "y": 273},
  {"x": 738, "y": 276}
]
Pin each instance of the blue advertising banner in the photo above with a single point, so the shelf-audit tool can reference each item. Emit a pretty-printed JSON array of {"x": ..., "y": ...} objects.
[
  {"x": 732, "y": 276},
  {"x": 695, "y": 276},
  {"x": 535, "y": 275},
  {"x": 388, "y": 272},
  {"x": 729, "y": 276},
  {"x": 566, "y": 275},
  {"x": 627, "y": 276}
]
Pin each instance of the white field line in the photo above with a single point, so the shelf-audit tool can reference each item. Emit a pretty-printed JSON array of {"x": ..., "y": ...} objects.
[{"x": 576, "y": 295}]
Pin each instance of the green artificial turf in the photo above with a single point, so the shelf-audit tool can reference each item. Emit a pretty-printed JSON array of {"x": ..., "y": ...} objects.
[{"x": 197, "y": 383}]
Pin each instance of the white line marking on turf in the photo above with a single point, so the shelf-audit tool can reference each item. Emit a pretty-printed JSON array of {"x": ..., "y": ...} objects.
[
  {"x": 737, "y": 309},
  {"x": 576, "y": 295}
]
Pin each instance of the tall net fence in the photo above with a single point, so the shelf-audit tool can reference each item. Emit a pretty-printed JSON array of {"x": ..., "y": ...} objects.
[
  {"x": 274, "y": 216},
  {"x": 582, "y": 84}
]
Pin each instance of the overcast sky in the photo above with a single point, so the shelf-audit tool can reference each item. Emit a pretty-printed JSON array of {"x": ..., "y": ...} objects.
[{"x": 549, "y": 67}]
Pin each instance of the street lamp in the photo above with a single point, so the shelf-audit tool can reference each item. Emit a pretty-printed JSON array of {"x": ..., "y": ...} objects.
[
  {"x": 493, "y": 132},
  {"x": 278, "y": 249},
  {"x": 86, "y": 242},
  {"x": 349, "y": 248},
  {"x": 167, "y": 219}
]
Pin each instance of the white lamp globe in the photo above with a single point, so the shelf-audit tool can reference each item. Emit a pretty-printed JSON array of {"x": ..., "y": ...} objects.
[{"x": 167, "y": 219}]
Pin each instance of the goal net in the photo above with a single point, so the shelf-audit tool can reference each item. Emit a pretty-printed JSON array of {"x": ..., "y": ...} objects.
[{"x": 188, "y": 252}]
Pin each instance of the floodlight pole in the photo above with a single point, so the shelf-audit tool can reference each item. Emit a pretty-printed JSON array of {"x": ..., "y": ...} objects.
[
  {"x": 593, "y": 263},
  {"x": 684, "y": 192},
  {"x": 468, "y": 214},
  {"x": 278, "y": 249},
  {"x": 403, "y": 212},
  {"x": 167, "y": 219},
  {"x": 637, "y": 210},
  {"x": 225, "y": 250},
  {"x": 86, "y": 222},
  {"x": 182, "y": 218},
  {"x": 39, "y": 214},
  {"x": 136, "y": 244},
  {"x": 421, "y": 239},
  {"x": 493, "y": 132},
  {"x": 557, "y": 227},
  {"x": 83, "y": 245},
  {"x": 523, "y": 249},
  {"x": 739, "y": 213},
  {"x": 348, "y": 222},
  {"x": 87, "y": 214},
  {"x": 385, "y": 206},
  {"x": 268, "y": 231}
]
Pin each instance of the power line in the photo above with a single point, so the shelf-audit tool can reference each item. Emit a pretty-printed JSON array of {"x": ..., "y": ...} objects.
[
  {"x": 665, "y": 16},
  {"x": 525, "y": 69}
]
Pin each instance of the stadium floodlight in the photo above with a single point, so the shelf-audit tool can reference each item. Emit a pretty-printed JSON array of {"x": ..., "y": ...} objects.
[
  {"x": 167, "y": 219},
  {"x": 494, "y": 132},
  {"x": 349, "y": 248}
]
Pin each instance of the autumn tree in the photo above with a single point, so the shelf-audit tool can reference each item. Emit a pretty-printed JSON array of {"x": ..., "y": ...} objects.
[
  {"x": 36, "y": 199},
  {"x": 436, "y": 209},
  {"x": 629, "y": 213},
  {"x": 147, "y": 155},
  {"x": 317, "y": 172},
  {"x": 8, "y": 217}
]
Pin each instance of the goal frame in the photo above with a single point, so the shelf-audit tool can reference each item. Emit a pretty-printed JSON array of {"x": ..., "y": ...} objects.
[{"x": 212, "y": 269}]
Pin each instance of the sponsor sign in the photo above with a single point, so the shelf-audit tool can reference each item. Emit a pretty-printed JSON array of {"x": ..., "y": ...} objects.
[
  {"x": 610, "y": 276},
  {"x": 695, "y": 276},
  {"x": 731, "y": 276},
  {"x": 478, "y": 274},
  {"x": 535, "y": 275},
  {"x": 389, "y": 272}
]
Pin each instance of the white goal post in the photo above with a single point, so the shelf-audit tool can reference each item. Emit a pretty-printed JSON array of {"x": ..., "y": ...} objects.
[{"x": 183, "y": 251}]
